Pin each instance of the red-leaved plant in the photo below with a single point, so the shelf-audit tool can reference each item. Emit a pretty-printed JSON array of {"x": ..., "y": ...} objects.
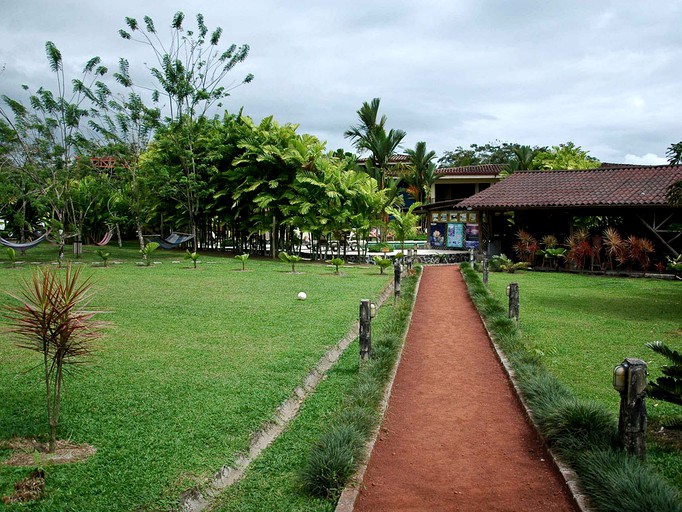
[{"x": 52, "y": 319}]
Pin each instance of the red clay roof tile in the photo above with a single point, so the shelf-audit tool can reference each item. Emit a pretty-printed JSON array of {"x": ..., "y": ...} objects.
[{"x": 606, "y": 187}]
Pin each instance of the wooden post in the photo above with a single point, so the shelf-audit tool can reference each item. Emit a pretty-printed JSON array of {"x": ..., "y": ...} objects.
[
  {"x": 365, "y": 330},
  {"x": 485, "y": 270},
  {"x": 632, "y": 419},
  {"x": 396, "y": 279},
  {"x": 513, "y": 292}
]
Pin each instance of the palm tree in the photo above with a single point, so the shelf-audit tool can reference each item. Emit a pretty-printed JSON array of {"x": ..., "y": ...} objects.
[
  {"x": 372, "y": 136},
  {"x": 421, "y": 170}
]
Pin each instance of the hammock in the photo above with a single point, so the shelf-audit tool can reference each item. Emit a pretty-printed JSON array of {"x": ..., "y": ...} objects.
[
  {"x": 24, "y": 246},
  {"x": 106, "y": 239},
  {"x": 173, "y": 240}
]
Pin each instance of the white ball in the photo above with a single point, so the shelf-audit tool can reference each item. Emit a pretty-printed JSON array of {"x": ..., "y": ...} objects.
[{"x": 302, "y": 296}]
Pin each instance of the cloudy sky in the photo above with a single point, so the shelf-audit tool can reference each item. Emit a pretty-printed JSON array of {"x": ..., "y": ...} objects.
[{"x": 603, "y": 74}]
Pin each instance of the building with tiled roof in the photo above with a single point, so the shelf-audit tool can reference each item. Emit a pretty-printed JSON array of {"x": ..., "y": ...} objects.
[{"x": 549, "y": 202}]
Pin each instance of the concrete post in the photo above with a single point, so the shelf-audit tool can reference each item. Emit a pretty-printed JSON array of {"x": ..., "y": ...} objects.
[{"x": 365, "y": 330}]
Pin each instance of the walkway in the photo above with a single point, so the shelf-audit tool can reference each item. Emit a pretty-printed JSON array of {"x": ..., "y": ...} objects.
[{"x": 454, "y": 436}]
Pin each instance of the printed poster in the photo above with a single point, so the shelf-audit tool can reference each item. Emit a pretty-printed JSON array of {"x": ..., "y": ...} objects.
[
  {"x": 455, "y": 237},
  {"x": 437, "y": 234},
  {"x": 471, "y": 236}
]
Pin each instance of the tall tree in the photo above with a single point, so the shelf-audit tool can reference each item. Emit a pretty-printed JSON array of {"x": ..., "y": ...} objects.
[
  {"x": 370, "y": 135},
  {"x": 566, "y": 156},
  {"x": 50, "y": 133},
  {"x": 189, "y": 74},
  {"x": 421, "y": 171}
]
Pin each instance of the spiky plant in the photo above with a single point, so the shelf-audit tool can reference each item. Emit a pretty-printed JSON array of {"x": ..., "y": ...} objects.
[
  {"x": 638, "y": 250},
  {"x": 579, "y": 248},
  {"x": 242, "y": 258},
  {"x": 614, "y": 246},
  {"x": 52, "y": 318},
  {"x": 526, "y": 246}
]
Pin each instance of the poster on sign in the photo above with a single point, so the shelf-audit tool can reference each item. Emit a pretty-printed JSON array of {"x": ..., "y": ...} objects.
[
  {"x": 455, "y": 239},
  {"x": 471, "y": 236},
  {"x": 437, "y": 235}
]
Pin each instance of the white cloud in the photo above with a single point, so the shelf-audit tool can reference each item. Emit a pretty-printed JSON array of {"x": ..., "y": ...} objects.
[{"x": 648, "y": 159}]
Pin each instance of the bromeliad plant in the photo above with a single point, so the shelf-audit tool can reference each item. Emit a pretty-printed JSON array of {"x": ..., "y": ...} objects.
[{"x": 52, "y": 318}]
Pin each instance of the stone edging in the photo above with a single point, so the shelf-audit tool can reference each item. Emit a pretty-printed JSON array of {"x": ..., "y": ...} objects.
[
  {"x": 350, "y": 492},
  {"x": 570, "y": 477},
  {"x": 201, "y": 497}
]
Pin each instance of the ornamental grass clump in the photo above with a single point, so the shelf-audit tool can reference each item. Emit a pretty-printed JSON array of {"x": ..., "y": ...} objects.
[
  {"x": 332, "y": 461},
  {"x": 52, "y": 318}
]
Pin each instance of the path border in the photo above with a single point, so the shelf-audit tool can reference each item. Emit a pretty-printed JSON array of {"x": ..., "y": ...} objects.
[{"x": 350, "y": 493}]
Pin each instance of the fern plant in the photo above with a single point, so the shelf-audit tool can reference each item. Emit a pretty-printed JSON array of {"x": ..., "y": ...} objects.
[
  {"x": 242, "y": 258},
  {"x": 291, "y": 259},
  {"x": 669, "y": 387},
  {"x": 147, "y": 252}
]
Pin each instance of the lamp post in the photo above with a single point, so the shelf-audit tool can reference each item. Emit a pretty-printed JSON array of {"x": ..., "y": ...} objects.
[
  {"x": 629, "y": 379},
  {"x": 396, "y": 279}
]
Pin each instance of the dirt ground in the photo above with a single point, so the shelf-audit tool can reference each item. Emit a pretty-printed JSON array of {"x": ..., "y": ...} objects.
[{"x": 454, "y": 436}]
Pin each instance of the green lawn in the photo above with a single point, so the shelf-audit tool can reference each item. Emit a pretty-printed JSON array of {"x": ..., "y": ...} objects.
[
  {"x": 584, "y": 326},
  {"x": 193, "y": 363}
]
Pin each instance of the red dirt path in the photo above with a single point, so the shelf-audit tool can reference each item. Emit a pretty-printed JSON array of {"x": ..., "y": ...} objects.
[{"x": 454, "y": 436}]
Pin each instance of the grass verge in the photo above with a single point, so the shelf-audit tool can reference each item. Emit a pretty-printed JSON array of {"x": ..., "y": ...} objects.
[{"x": 582, "y": 432}]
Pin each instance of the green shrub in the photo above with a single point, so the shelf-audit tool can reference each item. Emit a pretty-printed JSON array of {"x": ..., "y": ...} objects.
[
  {"x": 332, "y": 461},
  {"x": 337, "y": 262},
  {"x": 291, "y": 259},
  {"x": 382, "y": 263}
]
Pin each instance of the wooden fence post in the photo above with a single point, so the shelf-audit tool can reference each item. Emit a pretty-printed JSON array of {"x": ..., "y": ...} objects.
[
  {"x": 513, "y": 292},
  {"x": 365, "y": 330}
]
